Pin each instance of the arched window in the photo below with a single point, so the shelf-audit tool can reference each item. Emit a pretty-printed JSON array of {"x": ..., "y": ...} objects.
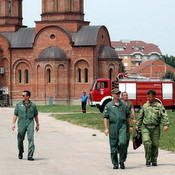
[
  {"x": 19, "y": 76},
  {"x": 26, "y": 74},
  {"x": 70, "y": 5},
  {"x": 110, "y": 73},
  {"x": 79, "y": 75},
  {"x": 86, "y": 75},
  {"x": 0, "y": 9},
  {"x": 56, "y": 5},
  {"x": 10, "y": 7},
  {"x": 48, "y": 76}
]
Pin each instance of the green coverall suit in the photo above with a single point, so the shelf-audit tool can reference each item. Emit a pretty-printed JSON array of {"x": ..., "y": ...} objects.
[
  {"x": 26, "y": 116},
  {"x": 150, "y": 119},
  {"x": 117, "y": 116},
  {"x": 130, "y": 106}
]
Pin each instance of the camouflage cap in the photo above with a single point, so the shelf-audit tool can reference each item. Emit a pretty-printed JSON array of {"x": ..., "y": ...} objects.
[{"x": 115, "y": 91}]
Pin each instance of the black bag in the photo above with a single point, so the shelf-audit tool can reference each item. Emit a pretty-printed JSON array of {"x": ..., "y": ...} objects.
[{"x": 137, "y": 140}]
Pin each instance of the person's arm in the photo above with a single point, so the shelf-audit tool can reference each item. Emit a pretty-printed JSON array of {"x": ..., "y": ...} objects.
[
  {"x": 36, "y": 118},
  {"x": 37, "y": 123},
  {"x": 140, "y": 119},
  {"x": 165, "y": 120},
  {"x": 14, "y": 122},
  {"x": 130, "y": 125},
  {"x": 106, "y": 120},
  {"x": 134, "y": 115},
  {"x": 15, "y": 117},
  {"x": 106, "y": 126},
  {"x": 128, "y": 119}
]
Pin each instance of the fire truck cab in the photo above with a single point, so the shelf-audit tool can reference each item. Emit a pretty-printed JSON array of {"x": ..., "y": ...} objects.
[{"x": 136, "y": 88}]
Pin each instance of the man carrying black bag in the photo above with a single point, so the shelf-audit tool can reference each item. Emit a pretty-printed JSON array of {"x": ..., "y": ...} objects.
[{"x": 149, "y": 120}]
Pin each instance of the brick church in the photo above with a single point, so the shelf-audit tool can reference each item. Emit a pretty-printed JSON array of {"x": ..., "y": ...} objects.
[{"x": 60, "y": 57}]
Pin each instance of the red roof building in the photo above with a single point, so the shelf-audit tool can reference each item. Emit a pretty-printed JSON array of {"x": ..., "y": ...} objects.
[
  {"x": 134, "y": 53},
  {"x": 152, "y": 69}
]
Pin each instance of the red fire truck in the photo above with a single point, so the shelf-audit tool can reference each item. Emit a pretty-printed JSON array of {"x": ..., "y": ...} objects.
[{"x": 136, "y": 87}]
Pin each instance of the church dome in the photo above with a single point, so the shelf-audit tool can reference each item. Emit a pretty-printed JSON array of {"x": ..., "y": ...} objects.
[
  {"x": 106, "y": 52},
  {"x": 52, "y": 53}
]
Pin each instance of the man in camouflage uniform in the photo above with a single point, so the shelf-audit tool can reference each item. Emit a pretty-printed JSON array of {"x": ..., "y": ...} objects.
[
  {"x": 150, "y": 117},
  {"x": 116, "y": 115},
  {"x": 129, "y": 104}
]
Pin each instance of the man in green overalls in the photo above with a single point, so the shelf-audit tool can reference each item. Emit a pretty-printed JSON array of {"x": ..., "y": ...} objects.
[
  {"x": 116, "y": 116},
  {"x": 130, "y": 105},
  {"x": 150, "y": 117},
  {"x": 26, "y": 112}
]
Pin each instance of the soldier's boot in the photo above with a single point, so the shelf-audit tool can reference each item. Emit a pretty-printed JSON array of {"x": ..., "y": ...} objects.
[
  {"x": 154, "y": 164},
  {"x": 20, "y": 155},
  {"x": 148, "y": 163}
]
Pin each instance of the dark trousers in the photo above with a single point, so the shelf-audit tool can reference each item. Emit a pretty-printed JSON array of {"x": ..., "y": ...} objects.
[{"x": 83, "y": 106}]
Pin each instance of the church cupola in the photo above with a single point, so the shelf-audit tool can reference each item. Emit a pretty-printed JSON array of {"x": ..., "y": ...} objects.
[
  {"x": 62, "y": 10},
  {"x": 10, "y": 15}
]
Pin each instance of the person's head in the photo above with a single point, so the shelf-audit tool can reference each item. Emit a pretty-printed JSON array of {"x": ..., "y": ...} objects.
[
  {"x": 84, "y": 93},
  {"x": 116, "y": 94},
  {"x": 124, "y": 96},
  {"x": 26, "y": 95},
  {"x": 151, "y": 95}
]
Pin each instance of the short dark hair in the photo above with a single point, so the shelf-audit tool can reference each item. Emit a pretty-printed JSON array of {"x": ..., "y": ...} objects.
[
  {"x": 151, "y": 92},
  {"x": 28, "y": 93},
  {"x": 124, "y": 93}
]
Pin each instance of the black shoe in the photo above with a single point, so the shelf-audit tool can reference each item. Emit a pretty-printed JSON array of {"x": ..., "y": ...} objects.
[
  {"x": 115, "y": 167},
  {"x": 31, "y": 158},
  {"x": 122, "y": 165},
  {"x": 154, "y": 164},
  {"x": 148, "y": 164},
  {"x": 20, "y": 156}
]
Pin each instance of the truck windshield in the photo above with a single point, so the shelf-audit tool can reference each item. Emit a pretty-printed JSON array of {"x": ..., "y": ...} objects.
[{"x": 101, "y": 85}]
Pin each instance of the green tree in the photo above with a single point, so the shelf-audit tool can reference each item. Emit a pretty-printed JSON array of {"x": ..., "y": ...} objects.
[
  {"x": 169, "y": 75},
  {"x": 170, "y": 60}
]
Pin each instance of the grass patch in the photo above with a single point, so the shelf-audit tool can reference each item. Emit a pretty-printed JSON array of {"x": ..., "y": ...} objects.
[
  {"x": 65, "y": 108},
  {"x": 89, "y": 120},
  {"x": 167, "y": 140}
]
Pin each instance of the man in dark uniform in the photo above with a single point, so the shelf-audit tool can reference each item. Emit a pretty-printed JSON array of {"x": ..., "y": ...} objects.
[
  {"x": 26, "y": 112},
  {"x": 116, "y": 116}
]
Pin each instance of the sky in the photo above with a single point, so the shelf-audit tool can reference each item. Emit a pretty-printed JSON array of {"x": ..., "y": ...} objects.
[{"x": 151, "y": 21}]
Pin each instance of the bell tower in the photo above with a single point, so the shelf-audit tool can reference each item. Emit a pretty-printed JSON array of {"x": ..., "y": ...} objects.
[
  {"x": 10, "y": 15},
  {"x": 63, "y": 12}
]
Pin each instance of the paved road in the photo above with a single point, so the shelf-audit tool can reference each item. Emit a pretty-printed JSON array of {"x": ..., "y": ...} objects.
[{"x": 66, "y": 149}]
